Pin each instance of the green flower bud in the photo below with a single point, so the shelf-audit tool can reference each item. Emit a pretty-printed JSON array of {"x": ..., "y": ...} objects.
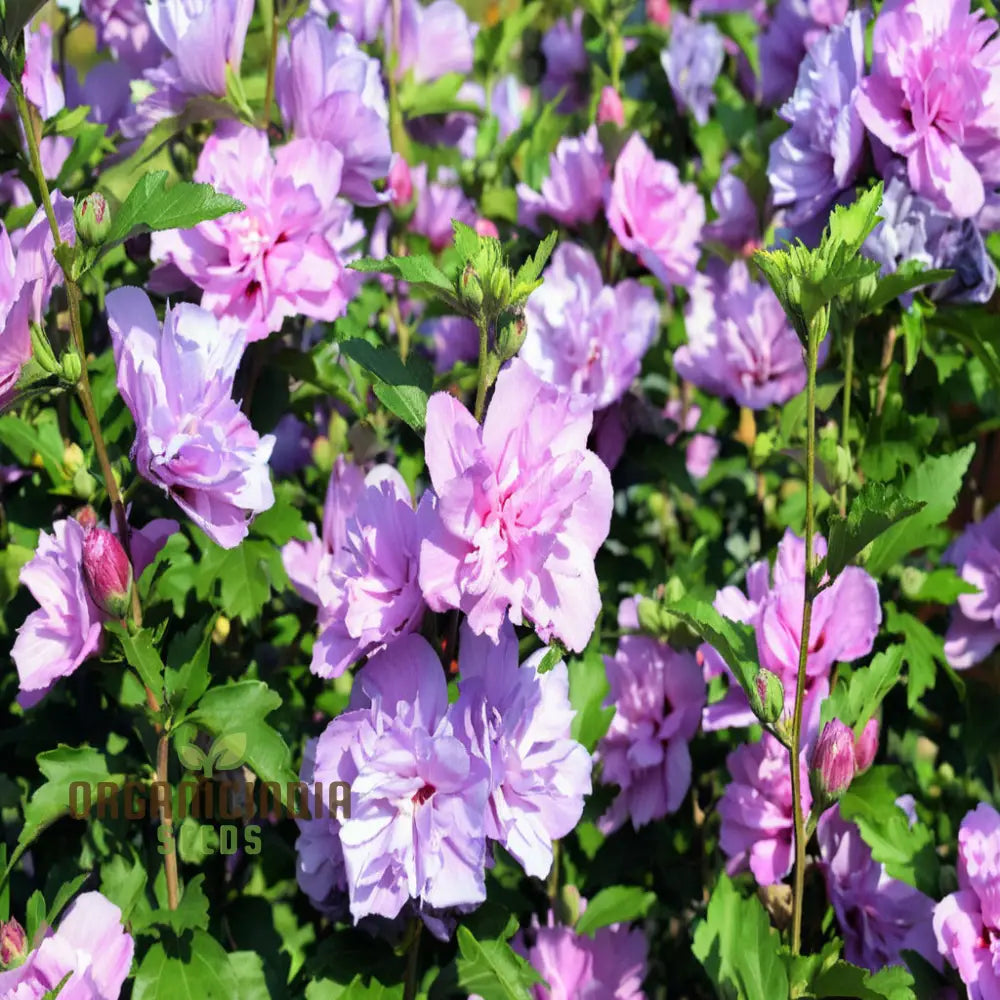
[
  {"x": 512, "y": 337},
  {"x": 767, "y": 696},
  {"x": 93, "y": 219},
  {"x": 72, "y": 367},
  {"x": 471, "y": 288}
]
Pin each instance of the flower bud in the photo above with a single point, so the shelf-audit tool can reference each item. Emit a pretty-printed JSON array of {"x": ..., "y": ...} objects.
[
  {"x": 610, "y": 108},
  {"x": 93, "y": 219},
  {"x": 767, "y": 696},
  {"x": 107, "y": 572},
  {"x": 833, "y": 761},
  {"x": 512, "y": 337},
  {"x": 72, "y": 367},
  {"x": 486, "y": 228},
  {"x": 400, "y": 183},
  {"x": 866, "y": 746},
  {"x": 658, "y": 11},
  {"x": 13, "y": 944},
  {"x": 472, "y": 289},
  {"x": 86, "y": 516}
]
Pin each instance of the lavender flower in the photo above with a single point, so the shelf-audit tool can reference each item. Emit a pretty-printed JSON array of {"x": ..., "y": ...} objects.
[
  {"x": 757, "y": 831},
  {"x": 433, "y": 40},
  {"x": 655, "y": 215},
  {"x": 123, "y": 27},
  {"x": 820, "y": 155},
  {"x": 931, "y": 98},
  {"x": 192, "y": 439},
  {"x": 740, "y": 343},
  {"x": 974, "y": 631},
  {"x": 285, "y": 254},
  {"x": 91, "y": 946},
  {"x": 367, "y": 587},
  {"x": 520, "y": 510},
  {"x": 879, "y": 916},
  {"x": 658, "y": 695},
  {"x": 737, "y": 226},
  {"x": 566, "y": 63},
  {"x": 692, "y": 62},
  {"x": 586, "y": 337},
  {"x": 328, "y": 89},
  {"x": 518, "y": 721},
  {"x": 573, "y": 192},
  {"x": 419, "y": 795}
]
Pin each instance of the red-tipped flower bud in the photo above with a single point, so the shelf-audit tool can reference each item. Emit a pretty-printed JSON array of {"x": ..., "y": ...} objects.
[
  {"x": 13, "y": 944},
  {"x": 400, "y": 183},
  {"x": 107, "y": 572},
  {"x": 658, "y": 11},
  {"x": 833, "y": 765},
  {"x": 609, "y": 108},
  {"x": 87, "y": 516},
  {"x": 93, "y": 219},
  {"x": 866, "y": 746},
  {"x": 486, "y": 228},
  {"x": 767, "y": 698}
]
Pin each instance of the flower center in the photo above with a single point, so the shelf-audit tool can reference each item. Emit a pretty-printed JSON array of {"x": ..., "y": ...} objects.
[{"x": 421, "y": 795}]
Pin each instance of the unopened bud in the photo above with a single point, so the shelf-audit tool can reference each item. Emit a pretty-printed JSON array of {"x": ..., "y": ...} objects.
[
  {"x": 13, "y": 944},
  {"x": 512, "y": 337},
  {"x": 658, "y": 11},
  {"x": 107, "y": 572},
  {"x": 610, "y": 108},
  {"x": 93, "y": 219},
  {"x": 486, "y": 228},
  {"x": 833, "y": 766},
  {"x": 866, "y": 746},
  {"x": 41, "y": 351},
  {"x": 73, "y": 459},
  {"x": 472, "y": 289},
  {"x": 648, "y": 613},
  {"x": 72, "y": 367},
  {"x": 767, "y": 696},
  {"x": 400, "y": 183},
  {"x": 86, "y": 516},
  {"x": 568, "y": 905}
]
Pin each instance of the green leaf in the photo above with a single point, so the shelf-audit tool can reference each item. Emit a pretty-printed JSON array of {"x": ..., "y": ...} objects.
[
  {"x": 228, "y": 751},
  {"x": 923, "y": 652},
  {"x": 188, "y": 681},
  {"x": 62, "y": 767},
  {"x": 910, "y": 275},
  {"x": 526, "y": 279},
  {"x": 733, "y": 641},
  {"x": 434, "y": 97},
  {"x": 418, "y": 269},
  {"x": 248, "y": 970},
  {"x": 858, "y": 694},
  {"x": 875, "y": 509},
  {"x": 42, "y": 437},
  {"x": 242, "y": 708},
  {"x": 935, "y": 483},
  {"x": 738, "y": 947},
  {"x": 850, "y": 225},
  {"x": 553, "y": 655},
  {"x": 124, "y": 883},
  {"x": 404, "y": 388},
  {"x": 846, "y": 980},
  {"x": 617, "y": 904},
  {"x": 942, "y": 585},
  {"x": 906, "y": 850},
  {"x": 281, "y": 522},
  {"x": 152, "y": 207},
  {"x": 17, "y": 16},
  {"x": 191, "y": 913},
  {"x": 140, "y": 652},
  {"x": 194, "y": 969},
  {"x": 66, "y": 892},
  {"x": 492, "y": 969},
  {"x": 588, "y": 687},
  {"x": 466, "y": 240}
]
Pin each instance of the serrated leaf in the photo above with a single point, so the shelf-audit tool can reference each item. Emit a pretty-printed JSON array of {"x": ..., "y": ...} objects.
[
  {"x": 407, "y": 402},
  {"x": 876, "y": 508},
  {"x": 588, "y": 687},
  {"x": 243, "y": 708},
  {"x": 403, "y": 388},
  {"x": 188, "y": 681},
  {"x": 418, "y": 269},
  {"x": 738, "y": 947},
  {"x": 152, "y": 207},
  {"x": 909, "y": 276},
  {"x": 733, "y": 641},
  {"x": 531, "y": 270},
  {"x": 140, "y": 652},
  {"x": 618, "y": 904},
  {"x": 191, "y": 913},
  {"x": 492, "y": 969},
  {"x": 857, "y": 696},
  {"x": 935, "y": 483},
  {"x": 466, "y": 240},
  {"x": 197, "y": 969},
  {"x": 923, "y": 652},
  {"x": 846, "y": 980}
]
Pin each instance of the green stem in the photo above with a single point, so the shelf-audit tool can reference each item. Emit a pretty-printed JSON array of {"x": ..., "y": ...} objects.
[
  {"x": 484, "y": 350},
  {"x": 800, "y": 681},
  {"x": 846, "y": 419},
  {"x": 397, "y": 129},
  {"x": 86, "y": 396},
  {"x": 412, "y": 961},
  {"x": 272, "y": 62},
  {"x": 28, "y": 120}
]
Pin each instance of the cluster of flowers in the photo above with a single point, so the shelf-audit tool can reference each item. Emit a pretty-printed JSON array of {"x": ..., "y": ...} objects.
[{"x": 507, "y": 531}]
